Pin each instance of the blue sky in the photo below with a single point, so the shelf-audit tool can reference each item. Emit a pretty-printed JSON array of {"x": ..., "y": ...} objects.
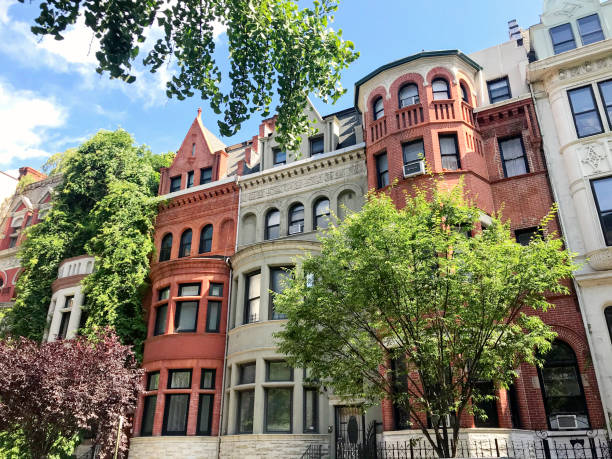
[{"x": 51, "y": 98}]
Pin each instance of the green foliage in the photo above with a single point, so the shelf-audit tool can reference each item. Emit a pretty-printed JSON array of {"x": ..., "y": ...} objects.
[
  {"x": 103, "y": 207},
  {"x": 24, "y": 181},
  {"x": 13, "y": 445},
  {"x": 275, "y": 49},
  {"x": 410, "y": 285}
]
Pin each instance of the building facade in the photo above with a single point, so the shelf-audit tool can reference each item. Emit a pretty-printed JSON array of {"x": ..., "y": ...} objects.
[{"x": 571, "y": 79}]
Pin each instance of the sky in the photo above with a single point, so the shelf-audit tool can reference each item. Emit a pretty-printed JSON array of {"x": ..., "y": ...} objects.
[{"x": 52, "y": 99}]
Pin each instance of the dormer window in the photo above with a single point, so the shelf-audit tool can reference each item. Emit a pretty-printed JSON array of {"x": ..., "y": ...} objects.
[
  {"x": 279, "y": 157},
  {"x": 440, "y": 89},
  {"x": 189, "y": 179},
  {"x": 316, "y": 145},
  {"x": 205, "y": 175},
  {"x": 379, "y": 108},
  {"x": 590, "y": 29},
  {"x": 408, "y": 95},
  {"x": 175, "y": 183},
  {"x": 562, "y": 38}
]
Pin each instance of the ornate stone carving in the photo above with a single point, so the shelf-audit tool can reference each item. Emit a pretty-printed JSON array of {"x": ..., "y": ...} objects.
[
  {"x": 593, "y": 156},
  {"x": 9, "y": 262},
  {"x": 585, "y": 67},
  {"x": 601, "y": 260}
]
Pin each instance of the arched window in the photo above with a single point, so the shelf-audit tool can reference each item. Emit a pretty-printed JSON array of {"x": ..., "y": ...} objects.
[
  {"x": 296, "y": 219},
  {"x": 166, "y": 248},
  {"x": 562, "y": 389},
  {"x": 465, "y": 93},
  {"x": 206, "y": 239},
  {"x": 379, "y": 108},
  {"x": 408, "y": 95},
  {"x": 440, "y": 89},
  {"x": 272, "y": 224},
  {"x": 185, "y": 247},
  {"x": 321, "y": 213}
]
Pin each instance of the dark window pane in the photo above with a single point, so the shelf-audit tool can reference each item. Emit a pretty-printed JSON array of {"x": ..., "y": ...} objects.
[
  {"x": 160, "y": 319},
  {"x": 440, "y": 89},
  {"x": 247, "y": 373},
  {"x": 175, "y": 415},
  {"x": 400, "y": 385},
  {"x": 185, "y": 246},
  {"x": 464, "y": 94},
  {"x": 189, "y": 290},
  {"x": 273, "y": 224},
  {"x": 166, "y": 248},
  {"x": 379, "y": 108},
  {"x": 189, "y": 179},
  {"x": 148, "y": 415},
  {"x": 213, "y": 316},
  {"x": 252, "y": 298},
  {"x": 205, "y": 409},
  {"x": 205, "y": 175},
  {"x": 605, "y": 89},
  {"x": 186, "y": 316},
  {"x": 278, "y": 276},
  {"x": 163, "y": 294},
  {"x": 278, "y": 409},
  {"x": 179, "y": 379},
  {"x": 608, "y": 314},
  {"x": 296, "y": 219},
  {"x": 207, "y": 381},
  {"x": 322, "y": 213},
  {"x": 499, "y": 90},
  {"x": 513, "y": 157},
  {"x": 279, "y": 156},
  {"x": 63, "y": 329},
  {"x": 488, "y": 406},
  {"x": 153, "y": 381},
  {"x": 279, "y": 371},
  {"x": 175, "y": 184},
  {"x": 215, "y": 289},
  {"x": 590, "y": 29},
  {"x": 311, "y": 405},
  {"x": 413, "y": 151},
  {"x": 584, "y": 109},
  {"x": 524, "y": 236},
  {"x": 449, "y": 152},
  {"x": 382, "y": 170},
  {"x": 206, "y": 237},
  {"x": 316, "y": 146},
  {"x": 246, "y": 400},
  {"x": 562, "y": 38},
  {"x": 602, "y": 189},
  {"x": 408, "y": 95}
]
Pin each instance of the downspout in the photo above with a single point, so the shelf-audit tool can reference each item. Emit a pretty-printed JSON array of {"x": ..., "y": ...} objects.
[{"x": 576, "y": 285}]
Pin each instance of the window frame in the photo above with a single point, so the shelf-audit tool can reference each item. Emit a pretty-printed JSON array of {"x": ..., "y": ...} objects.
[
  {"x": 268, "y": 227},
  {"x": 291, "y": 373},
  {"x": 183, "y": 252},
  {"x": 189, "y": 284},
  {"x": 161, "y": 291},
  {"x": 239, "y": 411},
  {"x": 62, "y": 332},
  {"x": 145, "y": 411},
  {"x": 278, "y": 151},
  {"x": 272, "y": 315},
  {"x": 179, "y": 370},
  {"x": 312, "y": 141},
  {"x": 150, "y": 375},
  {"x": 594, "y": 109},
  {"x": 247, "y": 301},
  {"x": 177, "y": 315},
  {"x": 167, "y": 398},
  {"x": 381, "y": 176},
  {"x": 552, "y": 40},
  {"x": 199, "y": 430},
  {"x": 204, "y": 239},
  {"x": 413, "y": 98},
  {"x": 603, "y": 36},
  {"x": 241, "y": 368},
  {"x": 156, "y": 330},
  {"x": 492, "y": 405},
  {"x": 457, "y": 151},
  {"x": 213, "y": 371},
  {"x": 533, "y": 230},
  {"x": 465, "y": 93},
  {"x": 212, "y": 285},
  {"x": 503, "y": 160},
  {"x": 173, "y": 180},
  {"x": 604, "y": 103},
  {"x": 315, "y": 220},
  {"x": 216, "y": 329},
  {"x": 608, "y": 317},
  {"x": 447, "y": 91},
  {"x": 292, "y": 222},
  {"x": 378, "y": 114},
  {"x": 497, "y": 80},
  {"x": 598, "y": 208},
  {"x": 190, "y": 178},
  {"x": 162, "y": 248},
  {"x": 204, "y": 171},
  {"x": 315, "y": 415},
  {"x": 266, "y": 398}
]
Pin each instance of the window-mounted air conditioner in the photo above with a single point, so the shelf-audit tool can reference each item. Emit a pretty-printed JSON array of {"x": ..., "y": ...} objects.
[
  {"x": 414, "y": 168},
  {"x": 445, "y": 419},
  {"x": 567, "y": 421}
]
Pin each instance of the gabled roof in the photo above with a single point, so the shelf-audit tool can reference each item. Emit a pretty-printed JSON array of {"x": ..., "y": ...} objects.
[
  {"x": 414, "y": 57},
  {"x": 214, "y": 144}
]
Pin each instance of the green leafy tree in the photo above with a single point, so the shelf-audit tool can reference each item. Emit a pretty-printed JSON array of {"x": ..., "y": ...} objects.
[
  {"x": 275, "y": 48},
  {"x": 105, "y": 206},
  {"x": 409, "y": 286}
]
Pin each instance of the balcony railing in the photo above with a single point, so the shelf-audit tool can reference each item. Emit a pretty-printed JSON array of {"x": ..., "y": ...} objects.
[
  {"x": 468, "y": 113},
  {"x": 378, "y": 129},
  {"x": 444, "y": 110},
  {"x": 409, "y": 116}
]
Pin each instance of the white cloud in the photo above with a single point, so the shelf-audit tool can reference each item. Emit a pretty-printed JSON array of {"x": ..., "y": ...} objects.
[
  {"x": 26, "y": 120},
  {"x": 8, "y": 183}
]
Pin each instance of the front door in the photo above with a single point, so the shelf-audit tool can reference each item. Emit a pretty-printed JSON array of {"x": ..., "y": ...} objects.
[{"x": 350, "y": 432}]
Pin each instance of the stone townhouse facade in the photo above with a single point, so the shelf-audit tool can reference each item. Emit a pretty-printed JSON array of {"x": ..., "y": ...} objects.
[{"x": 571, "y": 79}]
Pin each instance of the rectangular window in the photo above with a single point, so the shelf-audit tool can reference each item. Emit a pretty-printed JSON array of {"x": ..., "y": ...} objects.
[
  {"x": 513, "y": 157},
  {"x": 562, "y": 38},
  {"x": 179, "y": 379},
  {"x": 278, "y": 371},
  {"x": 316, "y": 145},
  {"x": 12, "y": 242},
  {"x": 175, "y": 184},
  {"x": 278, "y": 409},
  {"x": 311, "y": 410},
  {"x": 413, "y": 152},
  {"x": 279, "y": 157},
  {"x": 382, "y": 170},
  {"x": 161, "y": 313},
  {"x": 399, "y": 377},
  {"x": 153, "y": 380},
  {"x": 449, "y": 150},
  {"x": 499, "y": 90},
  {"x": 148, "y": 415},
  {"x": 252, "y": 298},
  {"x": 488, "y": 406},
  {"x": 246, "y": 400},
  {"x": 602, "y": 190},
  {"x": 525, "y": 235},
  {"x": 205, "y": 175},
  {"x": 213, "y": 316},
  {"x": 163, "y": 294},
  {"x": 69, "y": 301},
  {"x": 63, "y": 329},
  {"x": 215, "y": 290},
  {"x": 590, "y": 29},
  {"x": 584, "y": 109},
  {"x": 247, "y": 373},
  {"x": 278, "y": 277},
  {"x": 189, "y": 290},
  {"x": 605, "y": 90},
  {"x": 207, "y": 381},
  {"x": 175, "y": 414},
  {"x": 205, "y": 410},
  {"x": 186, "y": 316},
  {"x": 189, "y": 179}
]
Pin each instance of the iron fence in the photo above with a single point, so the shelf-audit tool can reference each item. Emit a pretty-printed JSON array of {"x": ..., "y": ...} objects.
[{"x": 313, "y": 452}]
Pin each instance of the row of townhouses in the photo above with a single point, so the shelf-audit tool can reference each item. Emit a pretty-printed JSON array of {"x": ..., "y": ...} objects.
[{"x": 526, "y": 123}]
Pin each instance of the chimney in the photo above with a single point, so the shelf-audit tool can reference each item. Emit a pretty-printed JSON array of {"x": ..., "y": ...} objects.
[{"x": 515, "y": 32}]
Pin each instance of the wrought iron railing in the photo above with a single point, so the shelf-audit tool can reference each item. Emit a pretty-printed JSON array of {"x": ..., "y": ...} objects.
[{"x": 313, "y": 452}]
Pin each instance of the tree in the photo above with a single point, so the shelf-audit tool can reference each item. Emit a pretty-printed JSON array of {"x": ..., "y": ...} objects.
[
  {"x": 51, "y": 392},
  {"x": 105, "y": 206},
  {"x": 274, "y": 49},
  {"x": 410, "y": 287}
]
